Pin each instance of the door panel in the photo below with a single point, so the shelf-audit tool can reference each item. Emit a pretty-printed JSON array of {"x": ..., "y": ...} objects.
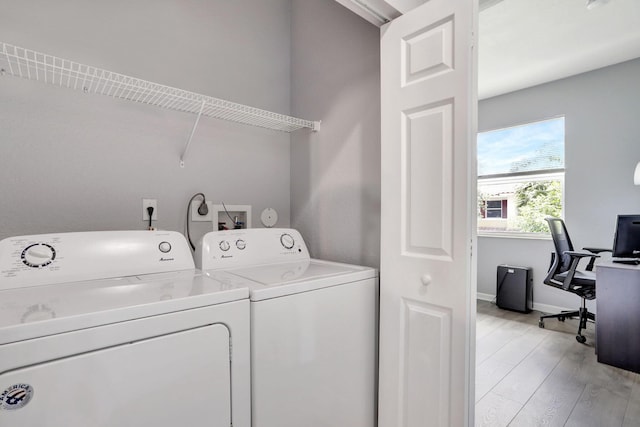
[
  {"x": 427, "y": 277},
  {"x": 426, "y": 362},
  {"x": 428, "y": 52},
  {"x": 426, "y": 162}
]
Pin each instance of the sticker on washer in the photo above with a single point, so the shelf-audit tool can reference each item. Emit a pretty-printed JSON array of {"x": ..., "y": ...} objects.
[{"x": 15, "y": 397}]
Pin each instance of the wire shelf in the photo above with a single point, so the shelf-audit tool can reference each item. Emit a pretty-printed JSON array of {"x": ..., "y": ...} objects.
[{"x": 28, "y": 64}]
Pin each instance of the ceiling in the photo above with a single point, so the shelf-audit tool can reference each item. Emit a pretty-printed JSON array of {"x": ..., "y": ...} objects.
[{"x": 523, "y": 43}]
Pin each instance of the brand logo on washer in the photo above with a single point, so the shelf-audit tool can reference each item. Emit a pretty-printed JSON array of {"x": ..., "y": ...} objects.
[
  {"x": 167, "y": 259},
  {"x": 15, "y": 397}
]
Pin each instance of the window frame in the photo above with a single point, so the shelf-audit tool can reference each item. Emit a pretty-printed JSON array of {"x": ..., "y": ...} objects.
[{"x": 517, "y": 177}]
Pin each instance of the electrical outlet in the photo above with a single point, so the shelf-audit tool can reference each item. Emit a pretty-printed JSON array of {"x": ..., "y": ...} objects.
[
  {"x": 195, "y": 216},
  {"x": 145, "y": 214}
]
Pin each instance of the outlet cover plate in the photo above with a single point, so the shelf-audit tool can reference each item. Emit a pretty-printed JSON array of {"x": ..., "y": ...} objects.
[{"x": 145, "y": 204}]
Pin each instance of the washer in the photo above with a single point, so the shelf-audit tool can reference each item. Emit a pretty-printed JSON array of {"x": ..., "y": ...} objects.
[
  {"x": 117, "y": 328},
  {"x": 313, "y": 328}
]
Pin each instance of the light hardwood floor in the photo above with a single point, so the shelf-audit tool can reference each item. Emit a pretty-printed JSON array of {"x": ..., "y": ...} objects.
[{"x": 527, "y": 376}]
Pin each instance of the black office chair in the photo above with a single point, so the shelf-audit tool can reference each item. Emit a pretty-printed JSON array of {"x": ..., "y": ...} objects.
[{"x": 563, "y": 274}]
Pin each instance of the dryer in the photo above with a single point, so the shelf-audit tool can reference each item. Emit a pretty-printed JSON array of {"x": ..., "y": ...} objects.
[
  {"x": 313, "y": 328},
  {"x": 117, "y": 328}
]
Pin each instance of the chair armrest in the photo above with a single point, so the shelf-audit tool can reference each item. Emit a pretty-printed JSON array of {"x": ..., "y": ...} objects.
[
  {"x": 576, "y": 254},
  {"x": 575, "y": 259},
  {"x": 595, "y": 251}
]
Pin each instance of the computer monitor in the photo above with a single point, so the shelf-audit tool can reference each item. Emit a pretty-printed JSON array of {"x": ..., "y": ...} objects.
[{"x": 626, "y": 244}]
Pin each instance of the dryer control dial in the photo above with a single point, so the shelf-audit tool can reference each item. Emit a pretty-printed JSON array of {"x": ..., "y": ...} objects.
[
  {"x": 38, "y": 255},
  {"x": 287, "y": 241},
  {"x": 241, "y": 244},
  {"x": 224, "y": 245},
  {"x": 164, "y": 247}
]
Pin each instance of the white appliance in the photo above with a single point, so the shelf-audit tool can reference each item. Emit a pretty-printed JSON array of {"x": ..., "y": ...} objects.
[
  {"x": 313, "y": 328},
  {"x": 116, "y": 328}
]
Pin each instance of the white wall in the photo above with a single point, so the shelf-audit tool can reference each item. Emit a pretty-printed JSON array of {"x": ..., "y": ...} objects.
[
  {"x": 602, "y": 148},
  {"x": 71, "y": 162},
  {"x": 335, "y": 174}
]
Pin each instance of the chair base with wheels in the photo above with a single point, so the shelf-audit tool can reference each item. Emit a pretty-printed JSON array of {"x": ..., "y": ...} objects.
[{"x": 583, "y": 314}]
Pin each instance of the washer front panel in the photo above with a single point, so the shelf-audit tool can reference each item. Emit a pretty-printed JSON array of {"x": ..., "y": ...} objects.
[
  {"x": 233, "y": 315},
  {"x": 176, "y": 379},
  {"x": 313, "y": 357}
]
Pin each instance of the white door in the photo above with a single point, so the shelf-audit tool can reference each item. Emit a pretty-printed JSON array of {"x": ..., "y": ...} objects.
[{"x": 427, "y": 277}]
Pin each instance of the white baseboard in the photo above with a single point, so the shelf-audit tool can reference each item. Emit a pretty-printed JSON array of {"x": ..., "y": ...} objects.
[
  {"x": 544, "y": 308},
  {"x": 485, "y": 297}
]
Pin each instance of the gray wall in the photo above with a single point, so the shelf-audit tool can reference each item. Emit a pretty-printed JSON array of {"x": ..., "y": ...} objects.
[
  {"x": 335, "y": 174},
  {"x": 72, "y": 162},
  {"x": 602, "y": 148}
]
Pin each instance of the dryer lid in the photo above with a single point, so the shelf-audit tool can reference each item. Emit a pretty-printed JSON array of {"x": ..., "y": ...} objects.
[{"x": 44, "y": 310}]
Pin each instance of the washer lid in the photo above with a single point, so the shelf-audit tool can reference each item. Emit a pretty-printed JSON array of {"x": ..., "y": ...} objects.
[
  {"x": 276, "y": 280},
  {"x": 44, "y": 310}
]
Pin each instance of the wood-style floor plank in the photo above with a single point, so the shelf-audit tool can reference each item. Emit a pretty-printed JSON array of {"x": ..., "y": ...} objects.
[
  {"x": 632, "y": 414},
  {"x": 598, "y": 406},
  {"x": 520, "y": 347},
  {"x": 490, "y": 373},
  {"x": 495, "y": 411},
  {"x": 527, "y": 376},
  {"x": 552, "y": 404},
  {"x": 498, "y": 338},
  {"x": 523, "y": 381}
]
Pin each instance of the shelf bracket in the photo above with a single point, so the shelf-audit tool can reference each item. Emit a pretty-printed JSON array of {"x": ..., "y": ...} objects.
[{"x": 195, "y": 125}]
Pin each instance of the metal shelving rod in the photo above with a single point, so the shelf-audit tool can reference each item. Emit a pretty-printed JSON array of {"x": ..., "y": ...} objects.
[{"x": 32, "y": 65}]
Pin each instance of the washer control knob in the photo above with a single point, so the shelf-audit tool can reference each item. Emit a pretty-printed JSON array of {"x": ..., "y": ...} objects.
[
  {"x": 38, "y": 255},
  {"x": 224, "y": 245},
  {"x": 164, "y": 247},
  {"x": 287, "y": 241},
  {"x": 241, "y": 244}
]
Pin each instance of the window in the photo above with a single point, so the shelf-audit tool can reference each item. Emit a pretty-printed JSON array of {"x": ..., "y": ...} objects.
[
  {"x": 494, "y": 209},
  {"x": 520, "y": 177}
]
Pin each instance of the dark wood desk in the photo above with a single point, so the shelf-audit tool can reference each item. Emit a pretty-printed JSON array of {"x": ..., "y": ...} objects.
[{"x": 618, "y": 315}]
